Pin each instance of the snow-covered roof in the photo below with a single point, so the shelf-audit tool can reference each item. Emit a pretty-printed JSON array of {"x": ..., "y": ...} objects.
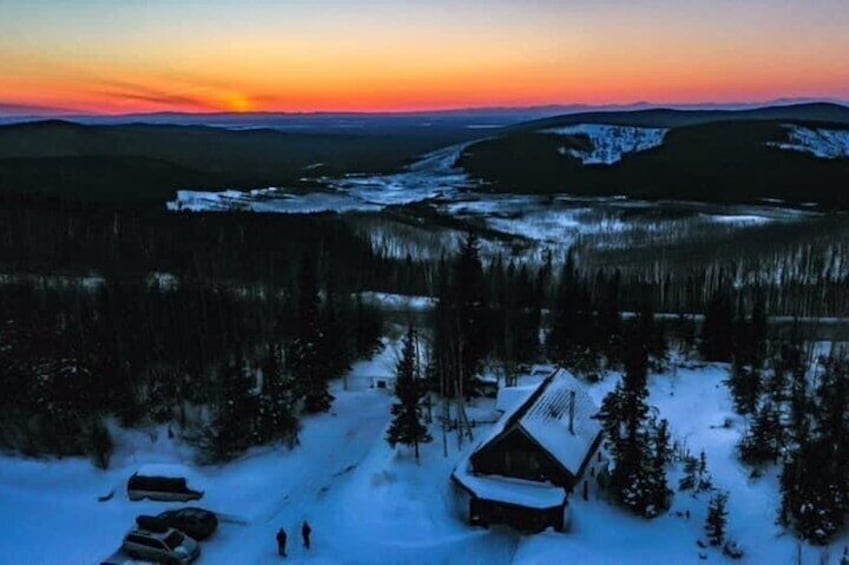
[
  {"x": 548, "y": 421},
  {"x": 530, "y": 494},
  {"x": 545, "y": 415}
]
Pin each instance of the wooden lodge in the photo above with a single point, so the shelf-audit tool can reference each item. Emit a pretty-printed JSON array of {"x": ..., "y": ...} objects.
[{"x": 544, "y": 445}]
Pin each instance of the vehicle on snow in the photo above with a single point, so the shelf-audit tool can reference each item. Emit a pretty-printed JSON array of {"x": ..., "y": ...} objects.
[
  {"x": 162, "y": 482},
  {"x": 153, "y": 540},
  {"x": 197, "y": 522}
]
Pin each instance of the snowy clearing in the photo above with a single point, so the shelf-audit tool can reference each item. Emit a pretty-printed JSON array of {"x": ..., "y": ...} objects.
[
  {"x": 820, "y": 142},
  {"x": 368, "y": 503},
  {"x": 609, "y": 143}
]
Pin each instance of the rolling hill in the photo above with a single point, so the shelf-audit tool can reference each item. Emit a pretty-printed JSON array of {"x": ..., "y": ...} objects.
[
  {"x": 148, "y": 163},
  {"x": 761, "y": 154}
]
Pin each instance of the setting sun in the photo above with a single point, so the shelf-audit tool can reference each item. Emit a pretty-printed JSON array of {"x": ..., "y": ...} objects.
[{"x": 238, "y": 103}]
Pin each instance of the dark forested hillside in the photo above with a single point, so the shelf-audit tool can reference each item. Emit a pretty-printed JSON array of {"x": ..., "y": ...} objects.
[
  {"x": 719, "y": 162},
  {"x": 670, "y": 118},
  {"x": 148, "y": 163}
]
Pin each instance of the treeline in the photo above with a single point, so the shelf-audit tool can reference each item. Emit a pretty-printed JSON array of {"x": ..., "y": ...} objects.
[
  {"x": 44, "y": 236},
  {"x": 797, "y": 410},
  {"x": 484, "y": 314},
  {"x": 231, "y": 367},
  {"x": 797, "y": 268}
]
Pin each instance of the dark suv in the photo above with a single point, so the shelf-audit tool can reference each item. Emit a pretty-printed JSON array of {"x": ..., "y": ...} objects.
[{"x": 160, "y": 488}]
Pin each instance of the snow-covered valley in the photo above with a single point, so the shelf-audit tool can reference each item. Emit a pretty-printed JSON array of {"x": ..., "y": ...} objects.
[
  {"x": 438, "y": 202},
  {"x": 432, "y": 176}
]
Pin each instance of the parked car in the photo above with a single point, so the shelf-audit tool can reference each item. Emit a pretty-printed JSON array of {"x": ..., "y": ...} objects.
[
  {"x": 197, "y": 522},
  {"x": 155, "y": 541},
  {"x": 161, "y": 482}
]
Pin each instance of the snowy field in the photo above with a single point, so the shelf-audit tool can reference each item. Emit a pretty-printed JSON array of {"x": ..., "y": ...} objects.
[
  {"x": 609, "y": 143},
  {"x": 368, "y": 503}
]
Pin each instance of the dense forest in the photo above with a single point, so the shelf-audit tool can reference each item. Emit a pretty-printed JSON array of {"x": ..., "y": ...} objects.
[{"x": 142, "y": 164}]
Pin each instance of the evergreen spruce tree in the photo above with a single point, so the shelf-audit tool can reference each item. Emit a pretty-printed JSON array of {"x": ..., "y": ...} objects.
[
  {"x": 471, "y": 313},
  {"x": 574, "y": 340},
  {"x": 745, "y": 385},
  {"x": 610, "y": 319},
  {"x": 305, "y": 356},
  {"x": 277, "y": 419},
  {"x": 705, "y": 482},
  {"x": 407, "y": 427},
  {"x": 335, "y": 343},
  {"x": 691, "y": 471},
  {"x": 718, "y": 328},
  {"x": 717, "y": 518},
  {"x": 658, "y": 459},
  {"x": 762, "y": 442},
  {"x": 815, "y": 481},
  {"x": 445, "y": 335},
  {"x": 231, "y": 430},
  {"x": 639, "y": 477},
  {"x": 758, "y": 332}
]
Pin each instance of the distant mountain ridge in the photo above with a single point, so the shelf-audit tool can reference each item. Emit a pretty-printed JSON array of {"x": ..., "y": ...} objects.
[
  {"x": 492, "y": 115},
  {"x": 676, "y": 117}
]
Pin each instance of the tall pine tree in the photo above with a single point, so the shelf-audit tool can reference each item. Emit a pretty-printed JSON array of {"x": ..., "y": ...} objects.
[
  {"x": 407, "y": 427},
  {"x": 638, "y": 447},
  {"x": 305, "y": 357}
]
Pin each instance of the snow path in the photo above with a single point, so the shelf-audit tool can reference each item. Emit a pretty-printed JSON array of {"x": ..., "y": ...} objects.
[{"x": 298, "y": 485}]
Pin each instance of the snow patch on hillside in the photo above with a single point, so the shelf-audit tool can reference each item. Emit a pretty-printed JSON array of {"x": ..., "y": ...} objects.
[
  {"x": 822, "y": 143},
  {"x": 609, "y": 143}
]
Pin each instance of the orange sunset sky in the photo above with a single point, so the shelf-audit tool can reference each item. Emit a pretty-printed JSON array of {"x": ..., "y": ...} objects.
[{"x": 115, "y": 56}]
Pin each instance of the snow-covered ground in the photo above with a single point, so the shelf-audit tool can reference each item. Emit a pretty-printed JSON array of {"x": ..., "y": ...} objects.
[
  {"x": 434, "y": 175},
  {"x": 369, "y": 503},
  {"x": 401, "y": 302},
  {"x": 609, "y": 142},
  {"x": 820, "y": 142}
]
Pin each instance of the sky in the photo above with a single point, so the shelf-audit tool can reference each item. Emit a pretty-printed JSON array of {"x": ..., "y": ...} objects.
[{"x": 119, "y": 56}]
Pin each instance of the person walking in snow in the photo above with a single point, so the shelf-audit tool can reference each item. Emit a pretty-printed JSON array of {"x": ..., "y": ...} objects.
[
  {"x": 305, "y": 532},
  {"x": 281, "y": 542}
]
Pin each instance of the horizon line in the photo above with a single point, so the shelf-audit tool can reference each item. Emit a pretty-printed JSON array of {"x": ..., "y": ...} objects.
[{"x": 59, "y": 113}]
